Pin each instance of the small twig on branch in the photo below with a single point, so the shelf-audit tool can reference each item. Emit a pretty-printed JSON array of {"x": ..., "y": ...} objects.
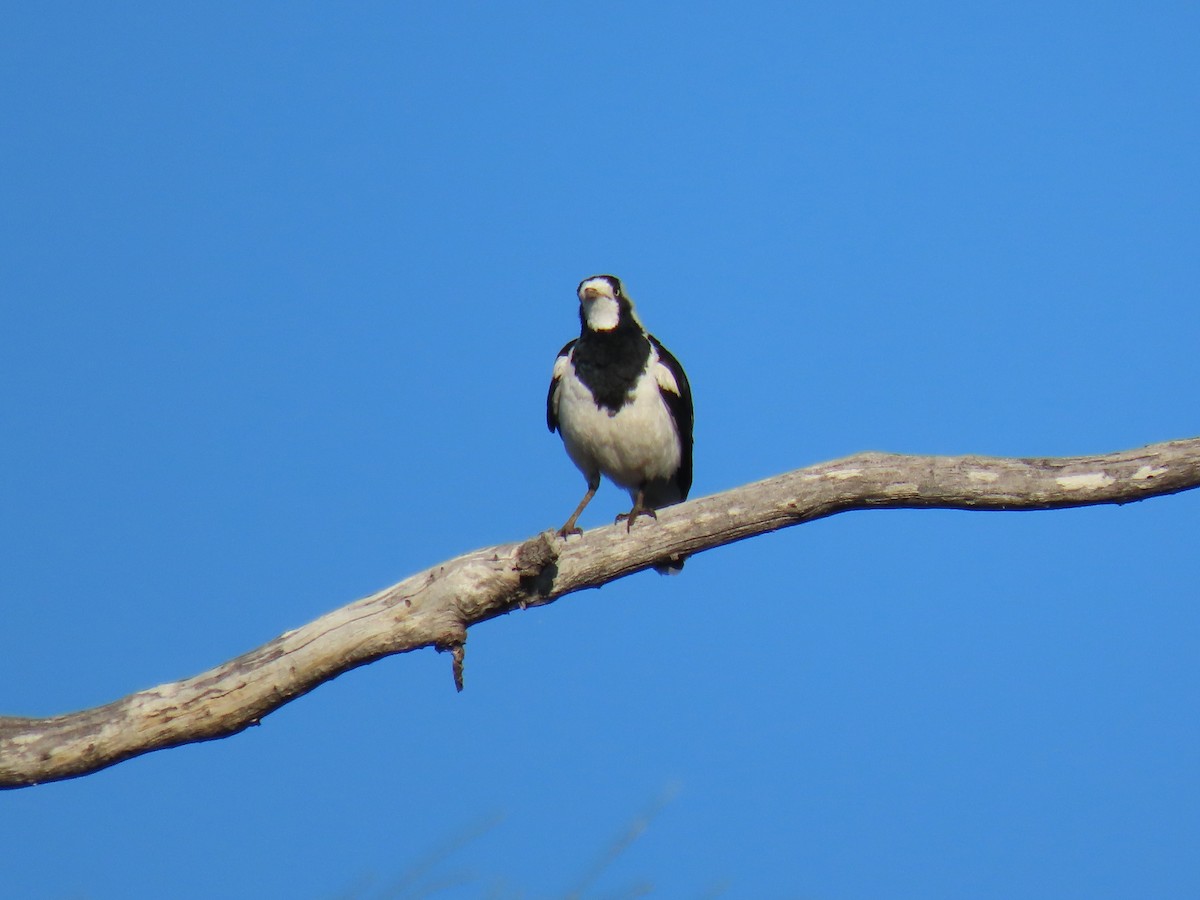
[{"x": 434, "y": 608}]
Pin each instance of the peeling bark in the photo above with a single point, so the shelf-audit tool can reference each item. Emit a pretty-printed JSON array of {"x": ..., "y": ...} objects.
[{"x": 435, "y": 608}]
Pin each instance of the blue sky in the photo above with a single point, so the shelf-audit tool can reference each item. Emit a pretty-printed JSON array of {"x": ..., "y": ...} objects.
[{"x": 280, "y": 289}]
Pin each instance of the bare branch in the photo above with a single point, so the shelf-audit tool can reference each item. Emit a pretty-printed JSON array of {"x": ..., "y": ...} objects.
[{"x": 435, "y": 608}]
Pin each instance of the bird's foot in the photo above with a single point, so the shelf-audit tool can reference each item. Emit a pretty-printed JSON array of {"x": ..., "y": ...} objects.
[
  {"x": 570, "y": 529},
  {"x": 629, "y": 517}
]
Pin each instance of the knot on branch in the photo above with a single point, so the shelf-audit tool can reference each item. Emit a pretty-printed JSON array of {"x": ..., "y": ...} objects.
[{"x": 535, "y": 564}]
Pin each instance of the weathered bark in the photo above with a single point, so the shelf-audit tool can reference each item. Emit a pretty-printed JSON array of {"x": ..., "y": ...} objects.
[{"x": 436, "y": 607}]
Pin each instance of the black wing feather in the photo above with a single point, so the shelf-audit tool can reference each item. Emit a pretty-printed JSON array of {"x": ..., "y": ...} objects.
[
  {"x": 680, "y": 406},
  {"x": 551, "y": 419}
]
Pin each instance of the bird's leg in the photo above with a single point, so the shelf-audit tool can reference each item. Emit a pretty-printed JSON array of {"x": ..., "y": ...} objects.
[
  {"x": 639, "y": 509},
  {"x": 570, "y": 528}
]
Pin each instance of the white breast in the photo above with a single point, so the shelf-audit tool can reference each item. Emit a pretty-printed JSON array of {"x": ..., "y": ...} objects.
[{"x": 637, "y": 443}]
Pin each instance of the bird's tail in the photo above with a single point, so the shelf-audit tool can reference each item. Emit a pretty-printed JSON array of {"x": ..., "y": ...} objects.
[{"x": 672, "y": 567}]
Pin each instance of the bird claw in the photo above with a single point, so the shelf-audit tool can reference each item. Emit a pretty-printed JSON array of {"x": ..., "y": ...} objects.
[
  {"x": 566, "y": 532},
  {"x": 629, "y": 517}
]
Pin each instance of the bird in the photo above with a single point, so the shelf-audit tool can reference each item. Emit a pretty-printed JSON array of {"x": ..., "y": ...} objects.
[{"x": 622, "y": 405}]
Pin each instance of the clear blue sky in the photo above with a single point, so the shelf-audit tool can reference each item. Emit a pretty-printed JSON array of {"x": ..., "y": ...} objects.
[{"x": 280, "y": 289}]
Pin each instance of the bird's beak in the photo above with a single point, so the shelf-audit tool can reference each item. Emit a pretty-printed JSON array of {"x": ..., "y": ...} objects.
[{"x": 590, "y": 293}]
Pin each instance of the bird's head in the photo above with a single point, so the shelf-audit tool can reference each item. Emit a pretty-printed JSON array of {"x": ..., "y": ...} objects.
[{"x": 603, "y": 303}]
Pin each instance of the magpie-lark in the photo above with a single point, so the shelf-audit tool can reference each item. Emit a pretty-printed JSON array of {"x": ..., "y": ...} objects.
[{"x": 623, "y": 406}]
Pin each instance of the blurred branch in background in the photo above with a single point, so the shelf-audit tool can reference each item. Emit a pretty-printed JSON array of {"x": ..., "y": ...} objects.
[
  {"x": 435, "y": 608},
  {"x": 427, "y": 876},
  {"x": 624, "y": 841}
]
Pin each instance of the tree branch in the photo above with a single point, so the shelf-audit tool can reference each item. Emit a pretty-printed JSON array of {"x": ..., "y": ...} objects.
[{"x": 435, "y": 608}]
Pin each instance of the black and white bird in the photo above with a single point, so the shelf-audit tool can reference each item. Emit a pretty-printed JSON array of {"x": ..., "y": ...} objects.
[{"x": 623, "y": 406}]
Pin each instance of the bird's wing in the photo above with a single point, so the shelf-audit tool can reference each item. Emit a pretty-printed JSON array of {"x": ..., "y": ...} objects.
[
  {"x": 677, "y": 393},
  {"x": 560, "y": 367}
]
